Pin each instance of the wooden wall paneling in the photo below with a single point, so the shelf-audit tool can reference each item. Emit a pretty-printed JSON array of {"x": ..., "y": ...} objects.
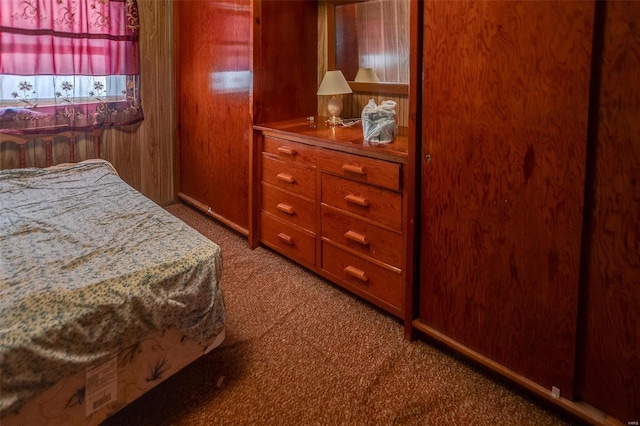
[
  {"x": 9, "y": 155},
  {"x": 323, "y": 61},
  {"x": 347, "y": 55},
  {"x": 37, "y": 155},
  {"x": 392, "y": 66},
  {"x": 370, "y": 23},
  {"x": 326, "y": 35},
  {"x": 504, "y": 113},
  {"x": 396, "y": 66},
  {"x": 61, "y": 147},
  {"x": 403, "y": 63},
  {"x": 608, "y": 365},
  {"x": 30, "y": 153},
  {"x": 155, "y": 133},
  {"x": 121, "y": 147},
  {"x": 75, "y": 146},
  {"x": 142, "y": 153},
  {"x": 176, "y": 75}
]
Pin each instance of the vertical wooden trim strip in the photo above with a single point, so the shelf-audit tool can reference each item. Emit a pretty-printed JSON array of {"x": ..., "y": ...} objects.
[
  {"x": 48, "y": 148},
  {"x": 412, "y": 169},
  {"x": 23, "y": 156},
  {"x": 97, "y": 140},
  {"x": 177, "y": 182},
  {"x": 72, "y": 148}
]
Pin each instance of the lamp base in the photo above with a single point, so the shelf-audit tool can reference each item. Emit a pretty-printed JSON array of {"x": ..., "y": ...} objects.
[
  {"x": 334, "y": 121},
  {"x": 334, "y": 106}
]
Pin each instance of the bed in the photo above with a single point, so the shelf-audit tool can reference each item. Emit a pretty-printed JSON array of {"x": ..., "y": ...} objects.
[{"x": 103, "y": 294}]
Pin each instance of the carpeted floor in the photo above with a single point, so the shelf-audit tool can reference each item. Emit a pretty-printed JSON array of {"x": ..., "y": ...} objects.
[{"x": 301, "y": 351}]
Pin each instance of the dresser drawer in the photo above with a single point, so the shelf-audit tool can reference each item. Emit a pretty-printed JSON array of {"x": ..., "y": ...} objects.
[
  {"x": 375, "y": 172},
  {"x": 289, "y": 207},
  {"x": 363, "y": 237},
  {"x": 288, "y": 176},
  {"x": 290, "y": 151},
  {"x": 373, "y": 203},
  {"x": 380, "y": 282},
  {"x": 289, "y": 240}
]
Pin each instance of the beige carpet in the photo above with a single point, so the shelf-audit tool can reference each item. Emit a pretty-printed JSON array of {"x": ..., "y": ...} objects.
[{"x": 300, "y": 351}]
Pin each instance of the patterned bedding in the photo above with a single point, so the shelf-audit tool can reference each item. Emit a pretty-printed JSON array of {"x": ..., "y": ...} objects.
[{"x": 88, "y": 266}]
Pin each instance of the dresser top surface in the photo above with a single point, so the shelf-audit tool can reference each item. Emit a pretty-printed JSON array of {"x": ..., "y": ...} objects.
[{"x": 341, "y": 138}]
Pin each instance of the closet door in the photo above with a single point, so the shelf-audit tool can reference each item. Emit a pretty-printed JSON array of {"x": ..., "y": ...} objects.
[
  {"x": 608, "y": 368},
  {"x": 505, "y": 106},
  {"x": 213, "y": 109}
]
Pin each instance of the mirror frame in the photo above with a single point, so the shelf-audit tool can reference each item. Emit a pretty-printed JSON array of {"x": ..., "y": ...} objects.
[{"x": 390, "y": 88}]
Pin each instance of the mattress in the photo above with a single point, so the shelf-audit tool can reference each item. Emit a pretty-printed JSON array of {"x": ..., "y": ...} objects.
[{"x": 88, "y": 268}]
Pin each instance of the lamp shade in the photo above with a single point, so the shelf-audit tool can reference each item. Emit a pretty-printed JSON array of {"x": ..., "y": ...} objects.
[
  {"x": 366, "y": 75},
  {"x": 334, "y": 83}
]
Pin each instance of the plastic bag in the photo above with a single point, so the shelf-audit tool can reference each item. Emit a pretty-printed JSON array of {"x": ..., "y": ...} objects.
[{"x": 379, "y": 122}]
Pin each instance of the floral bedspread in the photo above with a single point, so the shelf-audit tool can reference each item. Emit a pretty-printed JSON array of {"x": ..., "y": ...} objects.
[{"x": 88, "y": 265}]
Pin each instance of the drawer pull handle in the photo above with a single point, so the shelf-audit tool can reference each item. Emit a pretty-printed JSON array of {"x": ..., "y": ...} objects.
[
  {"x": 286, "y": 239},
  {"x": 356, "y": 273},
  {"x": 286, "y": 177},
  {"x": 285, "y": 208},
  {"x": 354, "y": 169},
  {"x": 355, "y": 199},
  {"x": 358, "y": 238},
  {"x": 286, "y": 150}
]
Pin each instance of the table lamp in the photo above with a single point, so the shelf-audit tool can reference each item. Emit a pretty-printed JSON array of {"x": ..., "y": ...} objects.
[
  {"x": 334, "y": 84},
  {"x": 366, "y": 75}
]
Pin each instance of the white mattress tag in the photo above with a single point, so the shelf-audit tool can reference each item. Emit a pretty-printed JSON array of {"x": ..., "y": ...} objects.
[{"x": 102, "y": 385}]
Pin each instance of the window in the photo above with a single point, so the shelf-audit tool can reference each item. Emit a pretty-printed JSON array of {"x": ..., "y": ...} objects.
[
  {"x": 26, "y": 91},
  {"x": 68, "y": 64}
]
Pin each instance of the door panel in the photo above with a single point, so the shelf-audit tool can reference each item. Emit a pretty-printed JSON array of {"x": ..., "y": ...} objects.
[
  {"x": 214, "y": 81},
  {"x": 505, "y": 103}
]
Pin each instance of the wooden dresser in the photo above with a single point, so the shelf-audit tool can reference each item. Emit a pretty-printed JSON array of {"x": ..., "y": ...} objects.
[{"x": 335, "y": 204}]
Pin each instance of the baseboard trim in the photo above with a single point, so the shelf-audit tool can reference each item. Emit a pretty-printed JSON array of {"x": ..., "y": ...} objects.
[
  {"x": 580, "y": 410},
  {"x": 205, "y": 209}
]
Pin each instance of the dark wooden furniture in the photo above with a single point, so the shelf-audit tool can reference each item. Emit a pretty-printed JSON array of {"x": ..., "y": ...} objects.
[
  {"x": 336, "y": 204},
  {"x": 529, "y": 180},
  {"x": 70, "y": 135},
  {"x": 526, "y": 115},
  {"x": 235, "y": 63}
]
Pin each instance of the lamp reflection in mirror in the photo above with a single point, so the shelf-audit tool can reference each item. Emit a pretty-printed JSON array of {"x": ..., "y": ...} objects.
[
  {"x": 366, "y": 75},
  {"x": 334, "y": 84}
]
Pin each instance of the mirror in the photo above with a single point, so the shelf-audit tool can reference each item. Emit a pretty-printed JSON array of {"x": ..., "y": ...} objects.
[{"x": 371, "y": 35}]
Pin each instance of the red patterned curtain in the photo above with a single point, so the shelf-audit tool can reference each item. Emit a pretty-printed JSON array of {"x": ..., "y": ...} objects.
[{"x": 68, "y": 65}]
